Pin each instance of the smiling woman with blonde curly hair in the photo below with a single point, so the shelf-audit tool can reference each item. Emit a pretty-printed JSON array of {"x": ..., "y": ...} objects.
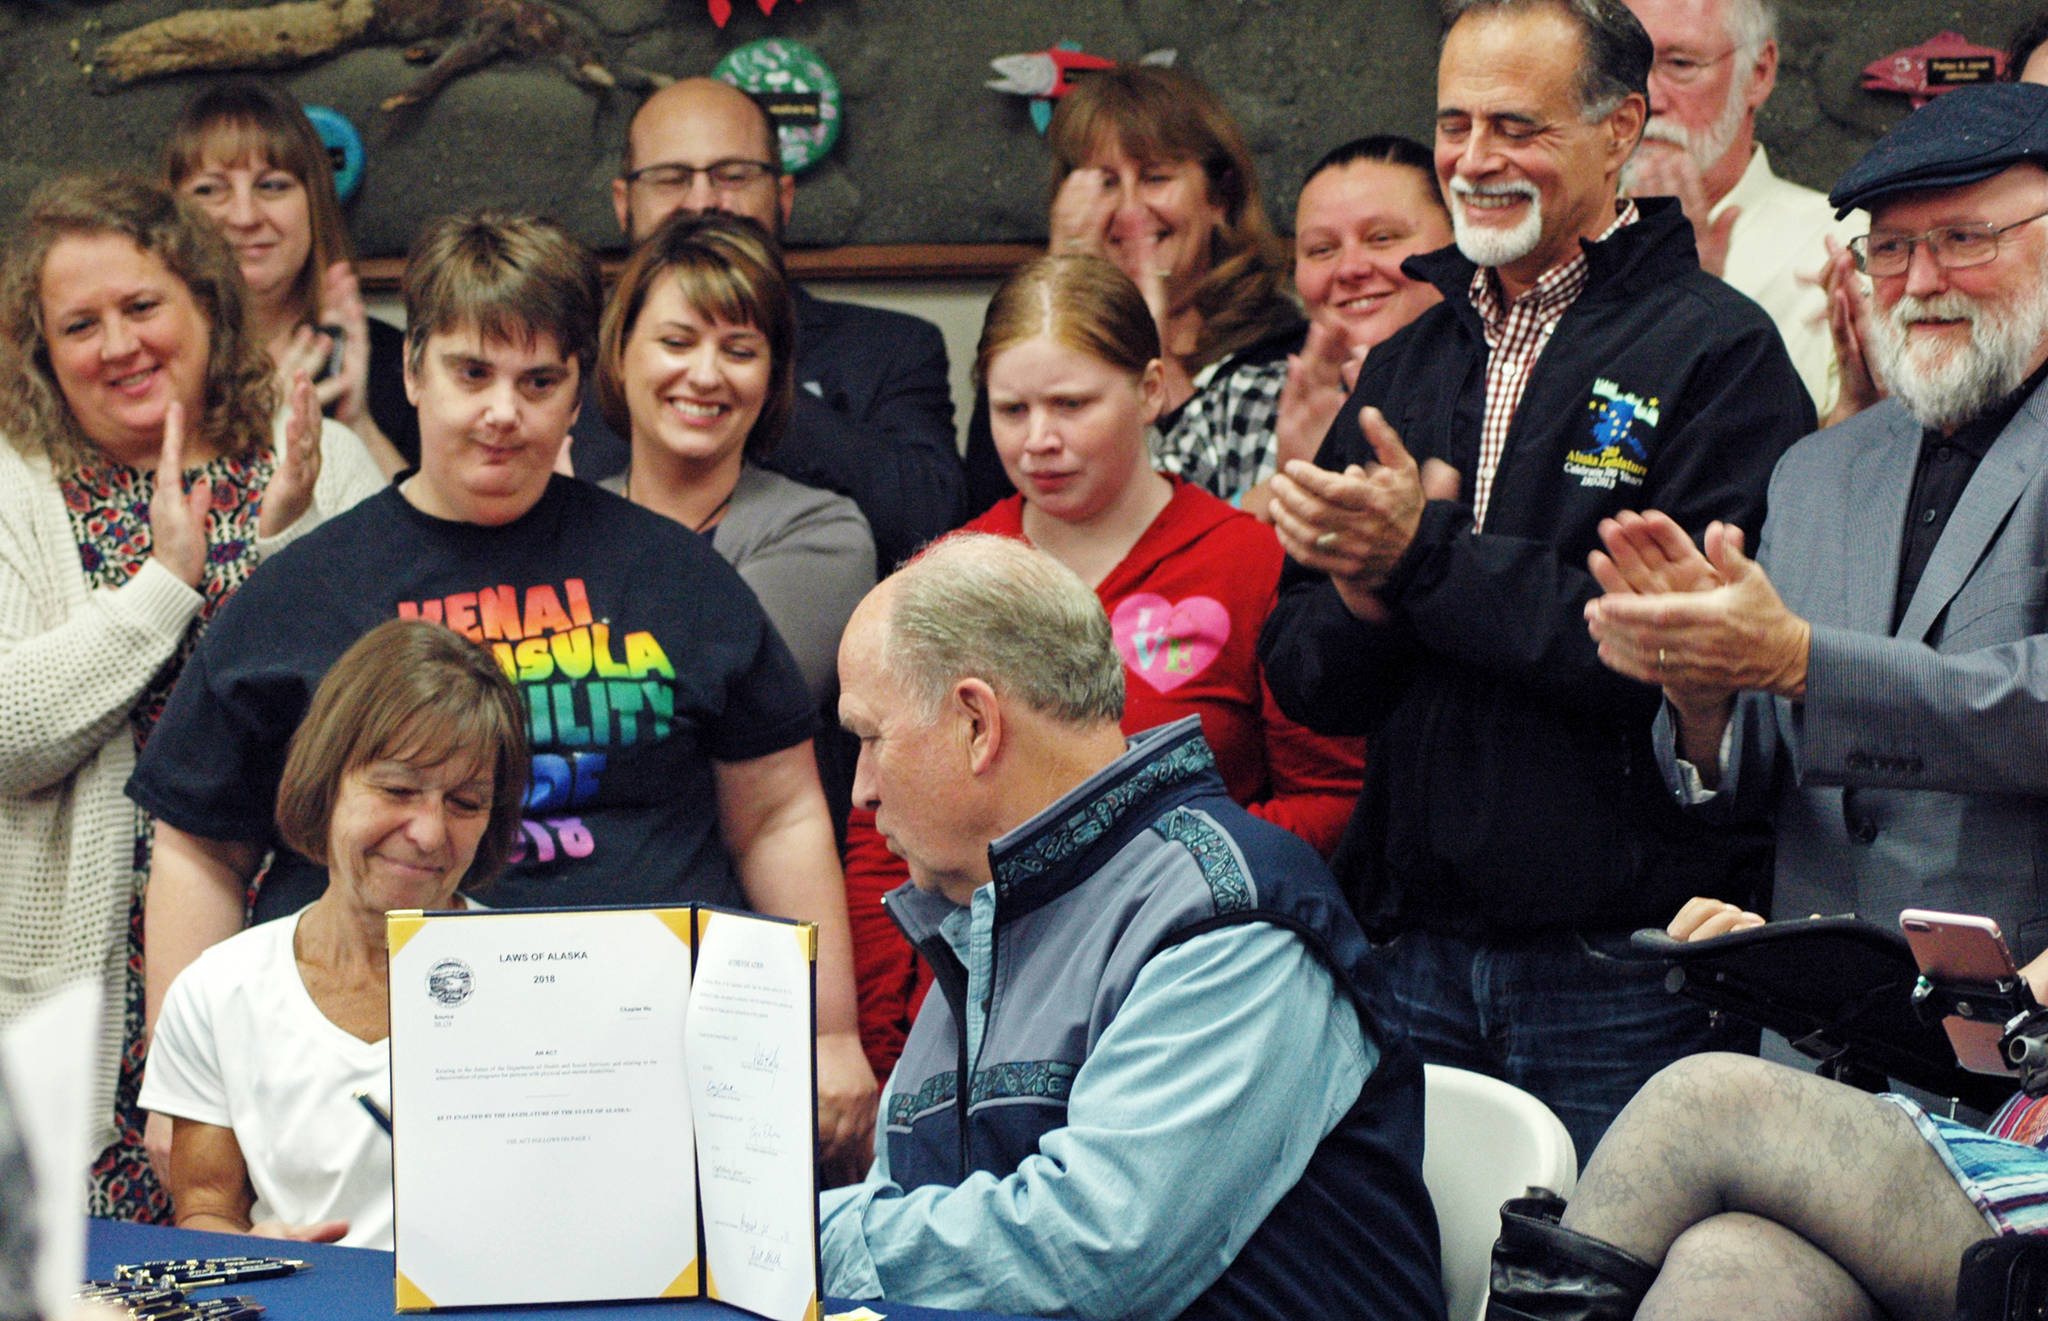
[{"x": 139, "y": 486}]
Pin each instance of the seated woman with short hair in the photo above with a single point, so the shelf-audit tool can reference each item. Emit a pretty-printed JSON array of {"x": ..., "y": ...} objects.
[{"x": 406, "y": 780}]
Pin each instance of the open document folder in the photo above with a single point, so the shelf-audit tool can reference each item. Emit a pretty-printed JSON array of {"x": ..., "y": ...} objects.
[{"x": 604, "y": 1103}]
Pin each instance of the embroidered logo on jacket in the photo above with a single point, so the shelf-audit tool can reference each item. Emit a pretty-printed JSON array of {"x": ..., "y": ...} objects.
[{"x": 1616, "y": 455}]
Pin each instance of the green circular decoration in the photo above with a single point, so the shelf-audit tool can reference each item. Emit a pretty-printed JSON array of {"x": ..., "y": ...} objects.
[{"x": 799, "y": 94}]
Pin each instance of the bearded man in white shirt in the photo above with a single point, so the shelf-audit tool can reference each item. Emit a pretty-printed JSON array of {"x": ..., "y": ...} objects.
[{"x": 1715, "y": 66}]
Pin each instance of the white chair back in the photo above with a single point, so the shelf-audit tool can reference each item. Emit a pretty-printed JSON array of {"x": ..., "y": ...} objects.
[{"x": 1484, "y": 1142}]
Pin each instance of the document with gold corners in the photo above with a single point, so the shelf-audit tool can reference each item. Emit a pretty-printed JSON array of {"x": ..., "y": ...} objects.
[{"x": 604, "y": 1103}]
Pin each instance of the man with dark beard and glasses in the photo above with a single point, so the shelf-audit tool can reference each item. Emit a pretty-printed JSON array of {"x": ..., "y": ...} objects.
[{"x": 1877, "y": 678}]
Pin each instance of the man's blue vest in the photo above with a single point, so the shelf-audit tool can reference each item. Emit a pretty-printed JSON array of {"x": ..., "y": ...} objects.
[{"x": 1147, "y": 854}]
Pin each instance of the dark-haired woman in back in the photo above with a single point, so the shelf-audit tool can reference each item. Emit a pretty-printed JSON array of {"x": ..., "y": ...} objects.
[{"x": 1365, "y": 207}]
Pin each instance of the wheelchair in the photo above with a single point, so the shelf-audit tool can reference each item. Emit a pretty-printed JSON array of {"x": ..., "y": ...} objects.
[{"x": 1849, "y": 995}]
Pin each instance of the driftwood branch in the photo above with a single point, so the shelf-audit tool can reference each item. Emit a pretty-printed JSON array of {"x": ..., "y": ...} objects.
[{"x": 281, "y": 35}]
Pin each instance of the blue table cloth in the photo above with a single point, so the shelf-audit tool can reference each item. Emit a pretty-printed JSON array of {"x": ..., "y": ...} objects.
[{"x": 354, "y": 1284}]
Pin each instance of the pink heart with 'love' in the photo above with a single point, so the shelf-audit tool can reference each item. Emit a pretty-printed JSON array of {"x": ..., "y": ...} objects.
[{"x": 1166, "y": 643}]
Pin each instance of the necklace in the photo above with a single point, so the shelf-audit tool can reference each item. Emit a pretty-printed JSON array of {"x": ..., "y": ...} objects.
[
  {"x": 709, "y": 519},
  {"x": 712, "y": 517}
]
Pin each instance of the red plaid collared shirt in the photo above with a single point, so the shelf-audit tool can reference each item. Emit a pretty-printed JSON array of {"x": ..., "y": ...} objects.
[{"x": 1515, "y": 336}]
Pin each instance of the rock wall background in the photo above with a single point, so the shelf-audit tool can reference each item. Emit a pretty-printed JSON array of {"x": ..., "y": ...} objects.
[{"x": 927, "y": 154}]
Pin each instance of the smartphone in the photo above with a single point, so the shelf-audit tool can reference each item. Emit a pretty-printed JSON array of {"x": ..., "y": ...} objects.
[
  {"x": 337, "y": 337},
  {"x": 1964, "y": 953}
]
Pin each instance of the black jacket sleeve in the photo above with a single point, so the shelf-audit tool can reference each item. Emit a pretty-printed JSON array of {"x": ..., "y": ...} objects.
[
  {"x": 1514, "y": 606},
  {"x": 889, "y": 445}
]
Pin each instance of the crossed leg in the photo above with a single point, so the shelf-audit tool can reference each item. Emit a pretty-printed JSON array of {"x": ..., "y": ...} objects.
[{"x": 1762, "y": 1191}]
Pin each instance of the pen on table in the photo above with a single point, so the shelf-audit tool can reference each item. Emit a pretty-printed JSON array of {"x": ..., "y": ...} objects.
[
  {"x": 195, "y": 1307},
  {"x": 229, "y": 1273},
  {"x": 204, "y": 1265},
  {"x": 134, "y": 1296},
  {"x": 376, "y": 1111}
]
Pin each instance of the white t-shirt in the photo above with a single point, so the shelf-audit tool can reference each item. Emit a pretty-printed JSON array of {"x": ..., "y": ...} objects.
[{"x": 241, "y": 1044}]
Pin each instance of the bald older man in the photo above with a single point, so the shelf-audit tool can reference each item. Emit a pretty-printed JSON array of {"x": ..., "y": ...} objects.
[
  {"x": 874, "y": 410},
  {"x": 1183, "y": 1092}
]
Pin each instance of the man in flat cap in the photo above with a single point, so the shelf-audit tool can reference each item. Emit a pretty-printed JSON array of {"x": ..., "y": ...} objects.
[
  {"x": 1876, "y": 681},
  {"x": 1877, "y": 678}
]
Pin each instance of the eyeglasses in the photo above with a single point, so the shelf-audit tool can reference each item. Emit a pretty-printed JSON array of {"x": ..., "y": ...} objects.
[
  {"x": 1685, "y": 70},
  {"x": 726, "y": 176},
  {"x": 1953, "y": 247}
]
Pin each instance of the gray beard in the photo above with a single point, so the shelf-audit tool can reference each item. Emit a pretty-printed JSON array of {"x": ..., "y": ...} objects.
[
  {"x": 1705, "y": 148},
  {"x": 1943, "y": 395},
  {"x": 1498, "y": 247}
]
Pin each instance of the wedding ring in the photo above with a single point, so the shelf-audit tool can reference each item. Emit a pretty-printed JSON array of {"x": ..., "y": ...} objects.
[{"x": 1326, "y": 540}]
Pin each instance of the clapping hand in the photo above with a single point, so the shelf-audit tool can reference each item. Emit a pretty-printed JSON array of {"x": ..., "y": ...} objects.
[
  {"x": 290, "y": 492},
  {"x": 1081, "y": 214},
  {"x": 177, "y": 517},
  {"x": 1353, "y": 525},
  {"x": 347, "y": 391},
  {"x": 1663, "y": 169},
  {"x": 1703, "y": 640},
  {"x": 1315, "y": 389},
  {"x": 1849, "y": 328}
]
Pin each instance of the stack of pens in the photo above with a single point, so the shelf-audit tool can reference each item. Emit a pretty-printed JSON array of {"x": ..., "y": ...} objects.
[
  {"x": 144, "y": 1302},
  {"x": 160, "y": 1290}
]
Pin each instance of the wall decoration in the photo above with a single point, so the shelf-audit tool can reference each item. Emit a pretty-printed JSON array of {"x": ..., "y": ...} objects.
[
  {"x": 721, "y": 10},
  {"x": 1046, "y": 75},
  {"x": 282, "y": 35},
  {"x": 344, "y": 148},
  {"x": 799, "y": 94},
  {"x": 1941, "y": 63}
]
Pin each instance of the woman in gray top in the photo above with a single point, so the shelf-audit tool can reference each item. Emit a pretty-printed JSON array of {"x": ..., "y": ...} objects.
[{"x": 695, "y": 363}]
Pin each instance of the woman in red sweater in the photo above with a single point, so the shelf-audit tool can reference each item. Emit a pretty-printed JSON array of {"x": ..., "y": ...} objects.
[{"x": 1069, "y": 357}]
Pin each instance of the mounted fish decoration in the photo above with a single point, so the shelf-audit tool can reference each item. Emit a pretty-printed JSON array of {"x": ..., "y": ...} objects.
[
  {"x": 1941, "y": 63},
  {"x": 1046, "y": 75}
]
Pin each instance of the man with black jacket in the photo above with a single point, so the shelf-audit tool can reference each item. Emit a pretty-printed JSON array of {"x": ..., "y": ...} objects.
[
  {"x": 1514, "y": 828},
  {"x": 873, "y": 417}
]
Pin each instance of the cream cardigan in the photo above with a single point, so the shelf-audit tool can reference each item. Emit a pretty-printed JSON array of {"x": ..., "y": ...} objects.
[{"x": 72, "y": 663}]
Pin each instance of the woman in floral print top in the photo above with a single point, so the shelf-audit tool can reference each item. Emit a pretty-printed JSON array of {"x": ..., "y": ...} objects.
[{"x": 125, "y": 362}]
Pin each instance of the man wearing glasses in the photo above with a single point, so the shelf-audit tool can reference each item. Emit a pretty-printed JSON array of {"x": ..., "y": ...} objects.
[
  {"x": 1876, "y": 681},
  {"x": 874, "y": 410},
  {"x": 1716, "y": 63}
]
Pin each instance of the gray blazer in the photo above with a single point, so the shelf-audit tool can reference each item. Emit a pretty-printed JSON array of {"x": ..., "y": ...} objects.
[{"x": 1915, "y": 771}]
